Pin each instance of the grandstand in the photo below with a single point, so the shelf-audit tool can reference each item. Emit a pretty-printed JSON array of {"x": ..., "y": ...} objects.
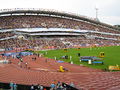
[
  {"x": 32, "y": 23},
  {"x": 39, "y": 29}
]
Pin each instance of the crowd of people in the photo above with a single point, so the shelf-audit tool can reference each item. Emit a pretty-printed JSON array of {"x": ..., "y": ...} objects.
[
  {"x": 6, "y": 34},
  {"x": 13, "y": 22},
  {"x": 56, "y": 43},
  {"x": 53, "y": 86},
  {"x": 60, "y": 42},
  {"x": 105, "y": 35}
]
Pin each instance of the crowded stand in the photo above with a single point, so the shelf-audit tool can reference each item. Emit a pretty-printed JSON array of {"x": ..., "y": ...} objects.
[
  {"x": 56, "y": 43},
  {"x": 6, "y": 34},
  {"x": 28, "y": 21},
  {"x": 53, "y": 25}
]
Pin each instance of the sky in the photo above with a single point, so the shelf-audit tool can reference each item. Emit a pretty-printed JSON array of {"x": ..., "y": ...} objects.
[{"x": 108, "y": 10}]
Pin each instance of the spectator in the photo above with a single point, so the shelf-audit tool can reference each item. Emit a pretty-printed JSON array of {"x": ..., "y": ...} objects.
[
  {"x": 11, "y": 86},
  {"x": 15, "y": 86},
  {"x": 32, "y": 87},
  {"x": 72, "y": 84},
  {"x": 52, "y": 86}
]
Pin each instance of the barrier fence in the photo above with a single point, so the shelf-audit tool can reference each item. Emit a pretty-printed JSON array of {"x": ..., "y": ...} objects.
[{"x": 6, "y": 86}]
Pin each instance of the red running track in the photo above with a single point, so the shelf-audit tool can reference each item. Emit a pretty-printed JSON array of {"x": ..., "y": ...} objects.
[{"x": 44, "y": 73}]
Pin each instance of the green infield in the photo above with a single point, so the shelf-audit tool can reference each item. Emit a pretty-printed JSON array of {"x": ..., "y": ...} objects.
[{"x": 112, "y": 55}]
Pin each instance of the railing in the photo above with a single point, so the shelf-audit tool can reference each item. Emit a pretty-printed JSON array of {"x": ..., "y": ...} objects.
[
  {"x": 19, "y": 86},
  {"x": 28, "y": 87}
]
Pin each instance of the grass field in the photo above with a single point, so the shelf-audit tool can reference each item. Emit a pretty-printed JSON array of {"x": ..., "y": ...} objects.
[{"x": 112, "y": 55}]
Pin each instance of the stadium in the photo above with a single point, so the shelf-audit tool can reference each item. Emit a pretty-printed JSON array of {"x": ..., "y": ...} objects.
[{"x": 27, "y": 36}]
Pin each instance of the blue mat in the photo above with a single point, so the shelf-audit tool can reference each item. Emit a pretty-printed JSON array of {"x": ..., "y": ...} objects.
[
  {"x": 97, "y": 62},
  {"x": 85, "y": 59},
  {"x": 60, "y": 61}
]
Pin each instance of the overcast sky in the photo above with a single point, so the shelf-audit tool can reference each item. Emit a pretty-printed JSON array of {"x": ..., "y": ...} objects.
[{"x": 108, "y": 10}]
